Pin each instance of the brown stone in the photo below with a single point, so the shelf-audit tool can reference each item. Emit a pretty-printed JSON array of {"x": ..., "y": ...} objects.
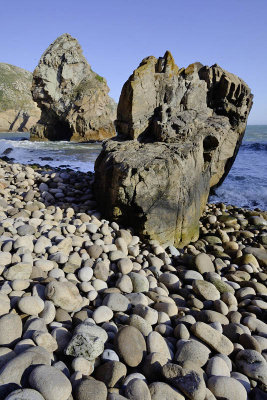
[
  {"x": 111, "y": 373},
  {"x": 130, "y": 345}
]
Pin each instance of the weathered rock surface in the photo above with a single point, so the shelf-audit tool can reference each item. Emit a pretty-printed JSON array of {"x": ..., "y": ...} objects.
[
  {"x": 179, "y": 131},
  {"x": 73, "y": 99},
  {"x": 18, "y": 111}
]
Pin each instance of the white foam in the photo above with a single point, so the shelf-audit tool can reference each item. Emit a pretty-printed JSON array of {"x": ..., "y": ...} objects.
[{"x": 78, "y": 156}]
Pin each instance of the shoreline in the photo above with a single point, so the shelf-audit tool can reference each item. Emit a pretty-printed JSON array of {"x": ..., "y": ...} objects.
[
  {"x": 47, "y": 167},
  {"x": 88, "y": 298},
  {"x": 246, "y": 178}
]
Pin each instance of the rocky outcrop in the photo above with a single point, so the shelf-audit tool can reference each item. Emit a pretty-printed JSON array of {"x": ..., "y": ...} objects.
[
  {"x": 18, "y": 112},
  {"x": 179, "y": 131},
  {"x": 73, "y": 99}
]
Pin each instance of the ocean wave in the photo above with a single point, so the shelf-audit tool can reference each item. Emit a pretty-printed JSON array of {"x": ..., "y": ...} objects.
[
  {"x": 254, "y": 146},
  {"x": 77, "y": 156},
  {"x": 248, "y": 197}
]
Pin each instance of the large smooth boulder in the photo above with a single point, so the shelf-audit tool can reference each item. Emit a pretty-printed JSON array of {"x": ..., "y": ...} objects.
[
  {"x": 179, "y": 131},
  {"x": 73, "y": 99}
]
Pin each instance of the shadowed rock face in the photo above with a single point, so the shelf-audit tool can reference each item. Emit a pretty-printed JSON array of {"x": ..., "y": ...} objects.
[
  {"x": 18, "y": 111},
  {"x": 73, "y": 99},
  {"x": 179, "y": 131}
]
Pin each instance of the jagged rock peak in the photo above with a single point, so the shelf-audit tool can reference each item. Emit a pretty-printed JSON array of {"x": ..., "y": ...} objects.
[
  {"x": 73, "y": 98},
  {"x": 18, "y": 111},
  {"x": 160, "y": 101},
  {"x": 179, "y": 131}
]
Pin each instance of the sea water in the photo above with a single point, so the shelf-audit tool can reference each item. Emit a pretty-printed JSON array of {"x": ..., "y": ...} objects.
[
  {"x": 245, "y": 185},
  {"x": 77, "y": 156}
]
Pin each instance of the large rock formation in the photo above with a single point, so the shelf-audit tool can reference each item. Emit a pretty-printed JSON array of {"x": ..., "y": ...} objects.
[
  {"x": 179, "y": 131},
  {"x": 18, "y": 112},
  {"x": 74, "y": 99}
]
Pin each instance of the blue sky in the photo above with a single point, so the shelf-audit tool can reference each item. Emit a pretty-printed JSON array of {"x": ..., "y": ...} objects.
[{"x": 117, "y": 34}]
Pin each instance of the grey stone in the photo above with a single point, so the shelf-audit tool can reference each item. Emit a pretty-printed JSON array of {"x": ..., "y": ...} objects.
[
  {"x": 86, "y": 346},
  {"x": 156, "y": 343},
  {"x": 31, "y": 305},
  {"x": 190, "y": 382},
  {"x": 23, "y": 345},
  {"x": 125, "y": 265},
  {"x": 217, "y": 366},
  {"x": 64, "y": 294},
  {"x": 140, "y": 323},
  {"x": 24, "y": 241},
  {"x": 101, "y": 271},
  {"x": 163, "y": 391},
  {"x": 50, "y": 382},
  {"x": 137, "y": 298},
  {"x": 102, "y": 314},
  {"x": 62, "y": 336},
  {"x": 203, "y": 263},
  {"x": 130, "y": 345},
  {"x": 171, "y": 281},
  {"x": 189, "y": 275},
  {"x": 29, "y": 196},
  {"x": 91, "y": 389},
  {"x": 88, "y": 341},
  {"x": 252, "y": 364},
  {"x": 91, "y": 330},
  {"x": 111, "y": 373},
  {"x": 124, "y": 283},
  {"x": 132, "y": 376},
  {"x": 206, "y": 290},
  {"x": 109, "y": 355},
  {"x": 10, "y": 329},
  {"x": 191, "y": 350},
  {"x": 49, "y": 312},
  {"x": 18, "y": 271},
  {"x": 16, "y": 372},
  {"x": 41, "y": 244},
  {"x": 260, "y": 255},
  {"x": 212, "y": 337},
  {"x": 209, "y": 316},
  {"x": 116, "y": 396},
  {"x": 140, "y": 282},
  {"x": 24, "y": 230},
  {"x": 137, "y": 389},
  {"x": 255, "y": 324},
  {"x": 116, "y": 255},
  {"x": 33, "y": 324},
  {"x": 5, "y": 258},
  {"x": 243, "y": 379},
  {"x": 59, "y": 257},
  {"x": 227, "y": 388},
  {"x": 174, "y": 252},
  {"x": 94, "y": 251},
  {"x": 116, "y": 302},
  {"x": 25, "y": 394},
  {"x": 45, "y": 340},
  {"x": 6, "y": 354}
]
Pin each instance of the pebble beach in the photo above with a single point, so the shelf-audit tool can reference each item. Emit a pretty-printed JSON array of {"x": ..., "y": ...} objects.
[{"x": 88, "y": 311}]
